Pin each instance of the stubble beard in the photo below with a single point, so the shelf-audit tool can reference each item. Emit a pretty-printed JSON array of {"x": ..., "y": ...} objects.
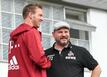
[{"x": 62, "y": 43}]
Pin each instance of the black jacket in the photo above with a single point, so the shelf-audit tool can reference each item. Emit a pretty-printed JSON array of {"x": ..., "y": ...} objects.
[{"x": 70, "y": 62}]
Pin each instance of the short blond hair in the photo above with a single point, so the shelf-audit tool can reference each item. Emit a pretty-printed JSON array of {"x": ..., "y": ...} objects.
[{"x": 30, "y": 8}]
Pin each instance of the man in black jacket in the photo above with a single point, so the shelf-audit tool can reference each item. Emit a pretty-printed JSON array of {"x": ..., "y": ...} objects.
[{"x": 69, "y": 60}]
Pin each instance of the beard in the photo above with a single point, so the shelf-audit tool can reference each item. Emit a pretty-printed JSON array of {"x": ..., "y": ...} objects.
[{"x": 62, "y": 41}]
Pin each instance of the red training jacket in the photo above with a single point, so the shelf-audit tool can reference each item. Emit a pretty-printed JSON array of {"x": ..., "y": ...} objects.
[{"x": 26, "y": 57}]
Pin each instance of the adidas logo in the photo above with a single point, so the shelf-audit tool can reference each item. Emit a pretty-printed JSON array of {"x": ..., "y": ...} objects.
[{"x": 13, "y": 64}]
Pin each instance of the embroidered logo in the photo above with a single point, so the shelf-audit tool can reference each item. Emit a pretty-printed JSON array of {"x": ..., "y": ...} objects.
[
  {"x": 70, "y": 56},
  {"x": 51, "y": 56}
]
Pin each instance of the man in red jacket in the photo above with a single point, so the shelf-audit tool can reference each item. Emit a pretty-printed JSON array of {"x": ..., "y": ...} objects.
[{"x": 25, "y": 55}]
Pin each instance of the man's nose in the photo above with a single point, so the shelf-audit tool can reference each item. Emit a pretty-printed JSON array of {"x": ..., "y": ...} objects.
[
  {"x": 63, "y": 33},
  {"x": 41, "y": 19}
]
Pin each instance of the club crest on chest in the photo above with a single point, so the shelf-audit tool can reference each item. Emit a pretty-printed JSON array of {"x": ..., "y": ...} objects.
[{"x": 70, "y": 55}]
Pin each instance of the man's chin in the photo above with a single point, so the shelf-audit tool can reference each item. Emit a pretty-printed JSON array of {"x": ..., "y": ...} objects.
[{"x": 64, "y": 43}]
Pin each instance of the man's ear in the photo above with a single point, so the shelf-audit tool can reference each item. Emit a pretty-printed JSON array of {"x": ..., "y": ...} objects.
[
  {"x": 53, "y": 34},
  {"x": 31, "y": 15}
]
